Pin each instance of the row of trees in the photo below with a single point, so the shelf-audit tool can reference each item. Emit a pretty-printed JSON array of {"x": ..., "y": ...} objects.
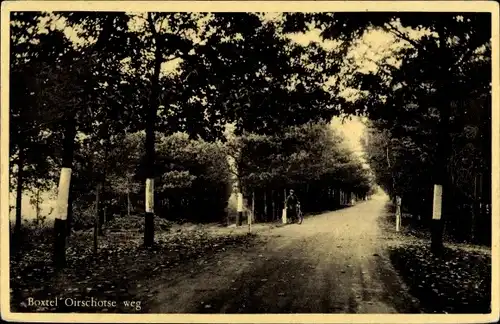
[
  {"x": 429, "y": 102},
  {"x": 191, "y": 176},
  {"x": 195, "y": 178},
  {"x": 83, "y": 82},
  {"x": 312, "y": 159},
  {"x": 402, "y": 165},
  {"x": 439, "y": 135}
]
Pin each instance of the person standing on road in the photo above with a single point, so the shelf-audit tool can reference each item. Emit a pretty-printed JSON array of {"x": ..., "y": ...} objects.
[{"x": 292, "y": 203}]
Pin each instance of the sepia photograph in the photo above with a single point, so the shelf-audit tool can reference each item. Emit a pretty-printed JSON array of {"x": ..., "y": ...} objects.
[{"x": 251, "y": 159}]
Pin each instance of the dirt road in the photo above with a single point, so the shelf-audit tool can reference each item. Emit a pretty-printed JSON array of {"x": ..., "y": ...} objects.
[{"x": 332, "y": 263}]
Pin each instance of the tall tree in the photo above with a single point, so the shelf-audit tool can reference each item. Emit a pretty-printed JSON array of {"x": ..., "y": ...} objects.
[
  {"x": 76, "y": 95},
  {"x": 165, "y": 34},
  {"x": 29, "y": 119}
]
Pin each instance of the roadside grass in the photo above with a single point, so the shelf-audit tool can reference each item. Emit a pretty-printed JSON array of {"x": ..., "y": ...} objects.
[
  {"x": 122, "y": 270},
  {"x": 459, "y": 282}
]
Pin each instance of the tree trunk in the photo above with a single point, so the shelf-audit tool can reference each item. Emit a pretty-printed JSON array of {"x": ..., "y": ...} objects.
[
  {"x": 150, "y": 139},
  {"x": 252, "y": 215},
  {"x": 266, "y": 218},
  {"x": 102, "y": 179},
  {"x": 63, "y": 208},
  {"x": 437, "y": 227},
  {"x": 19, "y": 197},
  {"x": 474, "y": 210},
  {"x": 70, "y": 211},
  {"x": 60, "y": 222},
  {"x": 273, "y": 206},
  {"x": 128, "y": 202},
  {"x": 227, "y": 215},
  {"x": 284, "y": 211},
  {"x": 398, "y": 213},
  {"x": 37, "y": 206},
  {"x": 96, "y": 219},
  {"x": 102, "y": 209},
  {"x": 239, "y": 209}
]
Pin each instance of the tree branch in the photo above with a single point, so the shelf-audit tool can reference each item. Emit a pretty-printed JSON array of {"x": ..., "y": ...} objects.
[
  {"x": 390, "y": 28},
  {"x": 152, "y": 25}
]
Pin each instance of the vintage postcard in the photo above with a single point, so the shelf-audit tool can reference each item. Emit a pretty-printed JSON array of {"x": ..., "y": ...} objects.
[{"x": 250, "y": 161}]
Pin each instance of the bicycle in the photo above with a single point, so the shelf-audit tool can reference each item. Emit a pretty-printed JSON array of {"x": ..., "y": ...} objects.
[
  {"x": 300, "y": 216},
  {"x": 297, "y": 217}
]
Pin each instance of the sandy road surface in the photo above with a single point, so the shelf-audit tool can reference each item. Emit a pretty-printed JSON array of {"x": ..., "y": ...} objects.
[{"x": 332, "y": 263}]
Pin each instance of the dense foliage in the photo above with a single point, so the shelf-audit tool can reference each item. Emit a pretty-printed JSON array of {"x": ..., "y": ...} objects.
[
  {"x": 198, "y": 75},
  {"x": 429, "y": 100},
  {"x": 110, "y": 75},
  {"x": 312, "y": 159},
  {"x": 195, "y": 177}
]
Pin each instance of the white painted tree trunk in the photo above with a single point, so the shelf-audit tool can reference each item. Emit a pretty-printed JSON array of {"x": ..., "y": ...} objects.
[
  {"x": 250, "y": 217},
  {"x": 283, "y": 215},
  {"x": 240, "y": 202},
  {"x": 239, "y": 208},
  {"x": 398, "y": 213},
  {"x": 437, "y": 203},
  {"x": 149, "y": 225},
  {"x": 63, "y": 194},
  {"x": 150, "y": 195}
]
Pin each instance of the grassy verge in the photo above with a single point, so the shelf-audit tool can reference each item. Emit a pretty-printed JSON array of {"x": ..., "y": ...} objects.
[
  {"x": 459, "y": 282},
  {"x": 122, "y": 270}
]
